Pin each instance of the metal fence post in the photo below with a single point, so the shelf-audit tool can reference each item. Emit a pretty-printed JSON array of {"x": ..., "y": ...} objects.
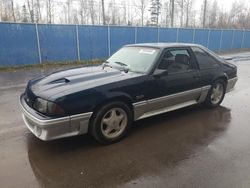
[
  {"x": 232, "y": 43},
  {"x": 38, "y": 44},
  {"x": 208, "y": 37},
  {"x": 135, "y": 34},
  {"x": 193, "y": 35},
  {"x": 109, "y": 39},
  {"x": 177, "y": 35},
  {"x": 77, "y": 44},
  {"x": 158, "y": 34},
  {"x": 242, "y": 39},
  {"x": 221, "y": 36}
]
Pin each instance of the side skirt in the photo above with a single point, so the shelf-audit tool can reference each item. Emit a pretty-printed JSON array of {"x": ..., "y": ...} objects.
[
  {"x": 140, "y": 111},
  {"x": 167, "y": 109}
]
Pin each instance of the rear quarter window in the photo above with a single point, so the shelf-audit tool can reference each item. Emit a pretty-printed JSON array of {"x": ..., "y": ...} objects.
[{"x": 205, "y": 60}]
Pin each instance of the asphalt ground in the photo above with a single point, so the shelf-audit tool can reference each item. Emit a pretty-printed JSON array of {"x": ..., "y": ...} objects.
[{"x": 191, "y": 147}]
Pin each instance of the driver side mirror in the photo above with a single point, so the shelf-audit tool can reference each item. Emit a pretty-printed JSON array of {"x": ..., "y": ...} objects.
[{"x": 160, "y": 73}]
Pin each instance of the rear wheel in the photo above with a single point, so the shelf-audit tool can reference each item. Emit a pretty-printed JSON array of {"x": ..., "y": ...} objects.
[
  {"x": 111, "y": 122},
  {"x": 216, "y": 94}
]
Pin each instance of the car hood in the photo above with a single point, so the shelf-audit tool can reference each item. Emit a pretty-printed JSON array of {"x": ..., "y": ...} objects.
[{"x": 77, "y": 79}]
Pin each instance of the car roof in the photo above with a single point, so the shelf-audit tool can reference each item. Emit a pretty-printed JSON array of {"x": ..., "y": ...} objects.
[{"x": 162, "y": 45}]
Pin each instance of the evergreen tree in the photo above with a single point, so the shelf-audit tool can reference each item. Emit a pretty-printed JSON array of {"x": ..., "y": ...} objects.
[
  {"x": 155, "y": 12},
  {"x": 24, "y": 14}
]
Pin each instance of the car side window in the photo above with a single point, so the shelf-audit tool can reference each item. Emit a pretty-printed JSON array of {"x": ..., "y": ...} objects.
[
  {"x": 175, "y": 60},
  {"x": 204, "y": 59}
]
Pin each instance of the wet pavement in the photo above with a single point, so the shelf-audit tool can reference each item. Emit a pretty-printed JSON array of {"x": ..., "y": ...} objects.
[{"x": 191, "y": 147}]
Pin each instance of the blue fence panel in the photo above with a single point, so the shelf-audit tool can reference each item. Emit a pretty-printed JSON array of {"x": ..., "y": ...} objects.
[
  {"x": 201, "y": 37},
  {"x": 93, "y": 42},
  {"x": 246, "y": 42},
  {"x": 214, "y": 39},
  {"x": 167, "y": 35},
  {"x": 148, "y": 34},
  {"x": 120, "y": 36},
  {"x": 58, "y": 42},
  {"x": 185, "y": 35},
  {"x": 226, "y": 42},
  {"x": 237, "y": 40},
  {"x": 18, "y": 44}
]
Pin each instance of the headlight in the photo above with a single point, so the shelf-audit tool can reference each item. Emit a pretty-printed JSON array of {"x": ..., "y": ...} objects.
[{"x": 47, "y": 107}]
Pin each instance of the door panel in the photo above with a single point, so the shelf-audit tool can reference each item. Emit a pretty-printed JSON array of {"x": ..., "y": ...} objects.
[
  {"x": 181, "y": 84},
  {"x": 172, "y": 89}
]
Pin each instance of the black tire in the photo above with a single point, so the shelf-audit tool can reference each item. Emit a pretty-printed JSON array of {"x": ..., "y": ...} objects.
[
  {"x": 209, "y": 101},
  {"x": 96, "y": 125}
]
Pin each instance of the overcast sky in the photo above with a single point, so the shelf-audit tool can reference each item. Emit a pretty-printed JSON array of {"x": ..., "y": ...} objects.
[{"x": 226, "y": 4}]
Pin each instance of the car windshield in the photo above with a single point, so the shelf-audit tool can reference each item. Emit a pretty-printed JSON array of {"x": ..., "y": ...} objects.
[{"x": 135, "y": 59}]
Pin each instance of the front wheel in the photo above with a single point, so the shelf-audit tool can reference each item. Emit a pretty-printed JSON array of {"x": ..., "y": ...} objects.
[
  {"x": 111, "y": 122},
  {"x": 216, "y": 94}
]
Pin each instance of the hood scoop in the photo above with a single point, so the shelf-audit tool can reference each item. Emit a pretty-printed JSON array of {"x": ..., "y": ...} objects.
[{"x": 60, "y": 81}]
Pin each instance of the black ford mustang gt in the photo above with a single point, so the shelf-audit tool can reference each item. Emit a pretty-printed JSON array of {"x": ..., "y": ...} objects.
[{"x": 138, "y": 81}]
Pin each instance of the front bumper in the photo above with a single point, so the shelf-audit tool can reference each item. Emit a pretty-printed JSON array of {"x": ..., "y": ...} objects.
[
  {"x": 46, "y": 128},
  {"x": 231, "y": 83}
]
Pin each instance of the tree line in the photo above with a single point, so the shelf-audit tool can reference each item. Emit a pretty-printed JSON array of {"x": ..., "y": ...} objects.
[{"x": 162, "y": 13}]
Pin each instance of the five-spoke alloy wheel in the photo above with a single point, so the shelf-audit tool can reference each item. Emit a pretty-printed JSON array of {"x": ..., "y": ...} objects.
[
  {"x": 111, "y": 122},
  {"x": 114, "y": 123},
  {"x": 216, "y": 93}
]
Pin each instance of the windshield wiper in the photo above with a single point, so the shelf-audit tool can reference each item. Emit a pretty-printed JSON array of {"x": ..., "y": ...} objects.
[
  {"x": 120, "y": 63},
  {"x": 106, "y": 64},
  {"x": 123, "y": 65}
]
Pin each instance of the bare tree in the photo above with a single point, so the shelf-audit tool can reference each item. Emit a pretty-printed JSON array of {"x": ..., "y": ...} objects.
[
  {"x": 75, "y": 16},
  {"x": 181, "y": 5},
  {"x": 185, "y": 7},
  {"x": 172, "y": 12},
  {"x": 119, "y": 12},
  {"x": 193, "y": 14},
  {"x": 83, "y": 11},
  {"x": 213, "y": 15},
  {"x": 167, "y": 8},
  {"x": 222, "y": 19},
  {"x": 18, "y": 12},
  {"x": 124, "y": 12},
  {"x": 141, "y": 5},
  {"x": 92, "y": 11},
  {"x": 103, "y": 13},
  {"x": 188, "y": 6},
  {"x": 5, "y": 13},
  {"x": 13, "y": 10},
  {"x": 1, "y": 10},
  {"x": 204, "y": 13},
  {"x": 237, "y": 14},
  {"x": 49, "y": 10},
  {"x": 38, "y": 11},
  {"x": 69, "y": 11},
  {"x": 113, "y": 12},
  {"x": 30, "y": 4}
]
